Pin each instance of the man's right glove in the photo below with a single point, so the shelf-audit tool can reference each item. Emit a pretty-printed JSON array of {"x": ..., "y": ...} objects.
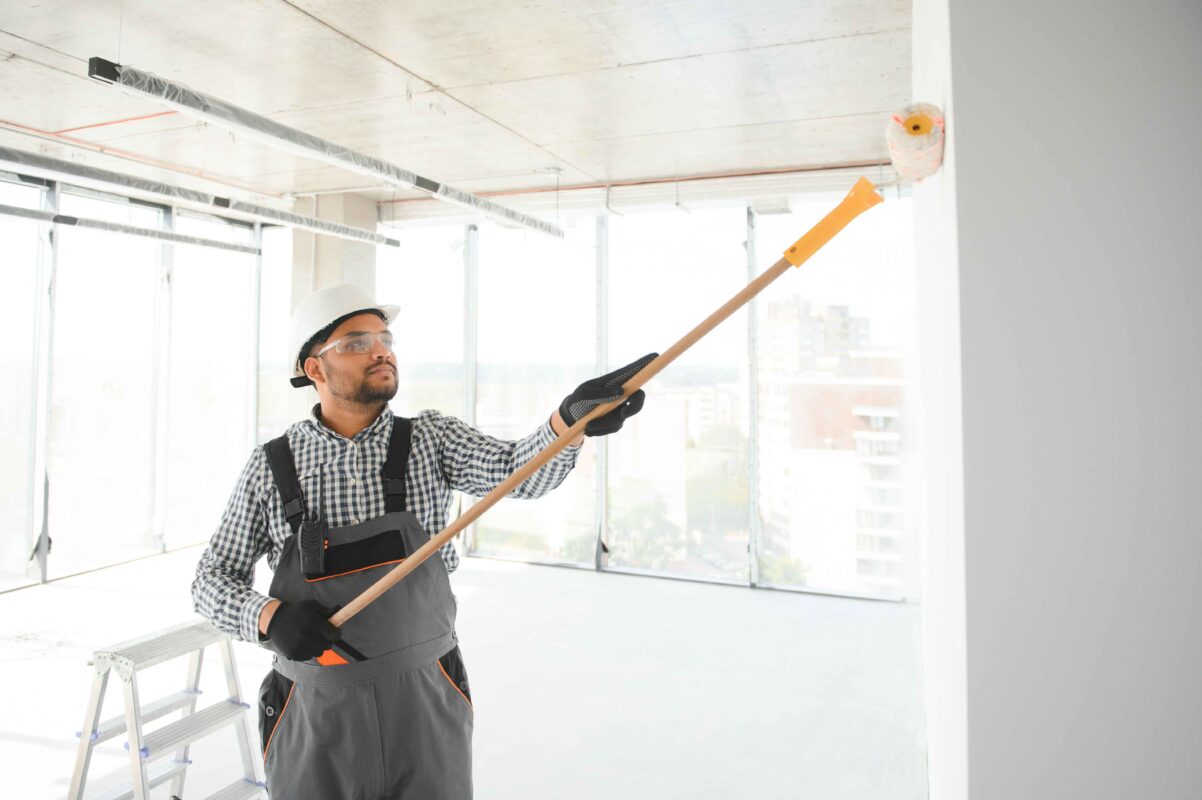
[
  {"x": 593, "y": 393},
  {"x": 301, "y": 631}
]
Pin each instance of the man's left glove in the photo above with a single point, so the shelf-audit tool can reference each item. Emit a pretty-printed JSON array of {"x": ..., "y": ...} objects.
[
  {"x": 597, "y": 391},
  {"x": 301, "y": 630}
]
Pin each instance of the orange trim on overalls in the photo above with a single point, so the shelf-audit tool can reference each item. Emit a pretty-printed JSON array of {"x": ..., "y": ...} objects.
[
  {"x": 279, "y": 719},
  {"x": 448, "y": 677},
  {"x": 352, "y": 571},
  {"x": 331, "y": 659}
]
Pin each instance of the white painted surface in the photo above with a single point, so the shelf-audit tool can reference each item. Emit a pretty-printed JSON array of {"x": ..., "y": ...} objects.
[
  {"x": 586, "y": 685},
  {"x": 938, "y": 441},
  {"x": 803, "y": 81},
  {"x": 1075, "y": 175},
  {"x": 453, "y": 45},
  {"x": 485, "y": 96}
]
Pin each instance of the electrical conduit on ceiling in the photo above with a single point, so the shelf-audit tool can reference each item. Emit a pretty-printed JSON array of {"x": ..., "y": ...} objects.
[{"x": 219, "y": 112}]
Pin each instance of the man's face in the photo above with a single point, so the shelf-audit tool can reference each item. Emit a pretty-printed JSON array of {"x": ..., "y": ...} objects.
[{"x": 362, "y": 378}]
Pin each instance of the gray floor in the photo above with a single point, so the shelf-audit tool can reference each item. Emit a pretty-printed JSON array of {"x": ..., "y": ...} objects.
[{"x": 586, "y": 685}]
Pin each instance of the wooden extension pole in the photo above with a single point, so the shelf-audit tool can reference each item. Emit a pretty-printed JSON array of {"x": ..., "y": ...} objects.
[{"x": 862, "y": 197}]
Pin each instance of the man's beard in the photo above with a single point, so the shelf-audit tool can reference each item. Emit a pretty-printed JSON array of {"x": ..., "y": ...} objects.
[{"x": 365, "y": 394}]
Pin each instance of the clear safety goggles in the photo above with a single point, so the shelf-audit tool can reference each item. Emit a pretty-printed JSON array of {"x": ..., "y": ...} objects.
[{"x": 358, "y": 343}]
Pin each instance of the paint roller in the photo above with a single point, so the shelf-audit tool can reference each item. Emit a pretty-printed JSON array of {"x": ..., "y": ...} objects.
[
  {"x": 915, "y": 139},
  {"x": 862, "y": 197}
]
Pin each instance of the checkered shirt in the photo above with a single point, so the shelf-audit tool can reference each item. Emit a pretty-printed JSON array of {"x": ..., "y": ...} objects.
[{"x": 446, "y": 454}]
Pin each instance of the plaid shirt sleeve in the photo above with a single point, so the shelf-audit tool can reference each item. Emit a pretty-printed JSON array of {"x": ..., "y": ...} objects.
[
  {"x": 475, "y": 463},
  {"x": 221, "y": 592}
]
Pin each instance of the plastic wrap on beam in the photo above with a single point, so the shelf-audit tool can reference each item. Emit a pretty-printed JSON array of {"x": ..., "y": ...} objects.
[
  {"x": 460, "y": 197},
  {"x": 20, "y": 159},
  {"x": 116, "y": 227},
  {"x": 255, "y": 126},
  {"x": 58, "y": 169},
  {"x": 310, "y": 223}
]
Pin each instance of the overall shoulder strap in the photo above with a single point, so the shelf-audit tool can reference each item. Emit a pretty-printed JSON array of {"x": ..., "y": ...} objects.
[
  {"x": 393, "y": 471},
  {"x": 283, "y": 469}
]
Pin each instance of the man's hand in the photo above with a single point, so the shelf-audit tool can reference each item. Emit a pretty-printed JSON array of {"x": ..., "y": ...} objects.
[
  {"x": 597, "y": 391},
  {"x": 301, "y": 631}
]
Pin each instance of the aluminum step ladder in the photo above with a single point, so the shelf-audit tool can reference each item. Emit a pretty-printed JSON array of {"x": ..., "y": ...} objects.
[{"x": 162, "y": 755}]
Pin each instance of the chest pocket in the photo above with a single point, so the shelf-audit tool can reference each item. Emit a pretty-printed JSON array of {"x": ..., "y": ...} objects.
[{"x": 361, "y": 547}]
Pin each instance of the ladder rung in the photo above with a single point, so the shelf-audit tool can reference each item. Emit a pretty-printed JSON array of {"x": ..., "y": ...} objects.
[
  {"x": 190, "y": 728},
  {"x": 172, "y": 702},
  {"x": 156, "y": 774},
  {"x": 242, "y": 789},
  {"x": 173, "y": 642}
]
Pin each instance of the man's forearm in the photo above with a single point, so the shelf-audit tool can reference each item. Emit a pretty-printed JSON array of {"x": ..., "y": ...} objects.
[
  {"x": 559, "y": 426},
  {"x": 266, "y": 614}
]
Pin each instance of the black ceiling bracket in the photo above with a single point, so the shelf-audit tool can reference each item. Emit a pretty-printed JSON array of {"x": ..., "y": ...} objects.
[{"x": 103, "y": 70}]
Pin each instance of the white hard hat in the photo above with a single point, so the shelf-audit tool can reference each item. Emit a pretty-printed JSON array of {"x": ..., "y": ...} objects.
[{"x": 319, "y": 310}]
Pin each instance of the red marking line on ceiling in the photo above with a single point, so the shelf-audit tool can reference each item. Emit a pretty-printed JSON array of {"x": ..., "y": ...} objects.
[
  {"x": 114, "y": 122},
  {"x": 131, "y": 156}
]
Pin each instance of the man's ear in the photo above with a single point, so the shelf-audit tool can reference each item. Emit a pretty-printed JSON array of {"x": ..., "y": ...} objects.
[{"x": 313, "y": 369}]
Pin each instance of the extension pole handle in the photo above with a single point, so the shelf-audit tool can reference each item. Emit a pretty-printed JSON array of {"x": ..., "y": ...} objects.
[{"x": 862, "y": 197}]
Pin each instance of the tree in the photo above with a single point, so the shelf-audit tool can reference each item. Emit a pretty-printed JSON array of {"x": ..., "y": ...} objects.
[{"x": 640, "y": 532}]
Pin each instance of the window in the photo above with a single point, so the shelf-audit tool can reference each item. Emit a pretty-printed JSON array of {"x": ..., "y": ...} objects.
[
  {"x": 23, "y": 239},
  {"x": 101, "y": 442},
  {"x": 831, "y": 398},
  {"x": 537, "y": 342},
  {"x": 277, "y": 397},
  {"x": 148, "y": 407},
  {"x": 677, "y": 477},
  {"x": 424, "y": 276},
  {"x": 209, "y": 420}
]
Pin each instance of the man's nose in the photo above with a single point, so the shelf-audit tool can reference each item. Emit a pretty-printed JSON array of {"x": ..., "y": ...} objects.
[{"x": 379, "y": 349}]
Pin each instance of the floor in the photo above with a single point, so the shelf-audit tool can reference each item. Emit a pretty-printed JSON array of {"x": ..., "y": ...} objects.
[{"x": 586, "y": 685}]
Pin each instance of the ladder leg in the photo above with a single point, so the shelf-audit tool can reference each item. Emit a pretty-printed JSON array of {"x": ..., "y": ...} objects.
[
  {"x": 91, "y": 719},
  {"x": 133, "y": 727},
  {"x": 195, "y": 661},
  {"x": 252, "y": 761}
]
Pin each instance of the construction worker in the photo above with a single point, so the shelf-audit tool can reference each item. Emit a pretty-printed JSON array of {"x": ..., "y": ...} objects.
[{"x": 381, "y": 707}]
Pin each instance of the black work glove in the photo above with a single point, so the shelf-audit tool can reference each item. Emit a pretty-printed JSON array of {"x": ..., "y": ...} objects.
[
  {"x": 302, "y": 630},
  {"x": 593, "y": 393}
]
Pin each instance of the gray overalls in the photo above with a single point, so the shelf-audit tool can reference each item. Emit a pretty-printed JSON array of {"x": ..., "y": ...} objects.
[{"x": 395, "y": 720}]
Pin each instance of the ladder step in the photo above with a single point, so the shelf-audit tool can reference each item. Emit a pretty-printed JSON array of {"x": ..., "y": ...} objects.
[
  {"x": 156, "y": 648},
  {"x": 172, "y": 702},
  {"x": 190, "y": 728},
  {"x": 156, "y": 774},
  {"x": 242, "y": 789}
]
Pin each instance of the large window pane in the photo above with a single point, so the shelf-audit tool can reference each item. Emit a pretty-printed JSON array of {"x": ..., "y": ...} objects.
[
  {"x": 275, "y": 309},
  {"x": 101, "y": 420},
  {"x": 678, "y": 471},
  {"x": 537, "y": 342},
  {"x": 211, "y": 366},
  {"x": 18, "y": 302},
  {"x": 424, "y": 276},
  {"x": 831, "y": 401}
]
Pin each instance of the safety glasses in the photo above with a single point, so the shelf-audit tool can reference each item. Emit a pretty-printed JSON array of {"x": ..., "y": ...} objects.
[{"x": 358, "y": 343}]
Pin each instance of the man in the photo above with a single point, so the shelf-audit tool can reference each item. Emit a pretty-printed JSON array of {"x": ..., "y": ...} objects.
[{"x": 380, "y": 708}]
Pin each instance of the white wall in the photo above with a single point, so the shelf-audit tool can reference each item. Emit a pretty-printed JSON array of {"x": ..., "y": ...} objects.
[
  {"x": 936, "y": 414},
  {"x": 1076, "y": 181}
]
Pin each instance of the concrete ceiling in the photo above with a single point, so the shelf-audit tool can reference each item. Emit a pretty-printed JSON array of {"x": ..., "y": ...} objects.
[{"x": 486, "y": 96}]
